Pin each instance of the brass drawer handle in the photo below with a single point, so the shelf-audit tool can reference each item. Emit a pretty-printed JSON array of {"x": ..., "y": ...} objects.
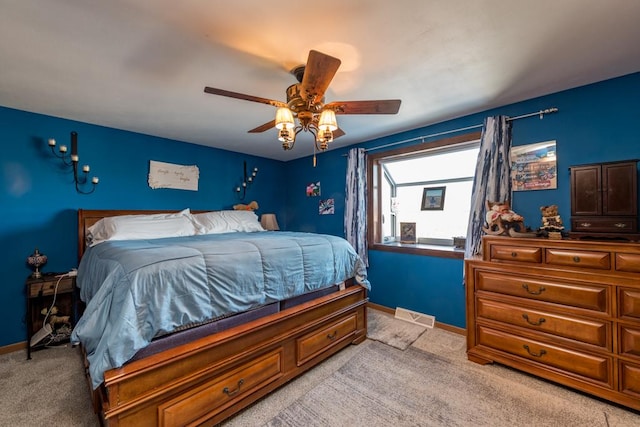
[
  {"x": 576, "y": 259},
  {"x": 538, "y": 292},
  {"x": 585, "y": 224},
  {"x": 620, "y": 225},
  {"x": 232, "y": 393},
  {"x": 538, "y": 323},
  {"x": 542, "y": 352},
  {"x": 332, "y": 336}
]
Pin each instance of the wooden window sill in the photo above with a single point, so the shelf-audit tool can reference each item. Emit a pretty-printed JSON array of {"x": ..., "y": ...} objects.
[{"x": 419, "y": 249}]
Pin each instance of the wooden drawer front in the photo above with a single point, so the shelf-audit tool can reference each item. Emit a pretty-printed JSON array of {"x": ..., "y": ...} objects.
[
  {"x": 629, "y": 303},
  {"x": 629, "y": 341},
  {"x": 206, "y": 400},
  {"x": 604, "y": 224},
  {"x": 594, "y": 332},
  {"x": 582, "y": 296},
  {"x": 584, "y": 259},
  {"x": 630, "y": 379},
  {"x": 316, "y": 342},
  {"x": 515, "y": 253},
  {"x": 628, "y": 262},
  {"x": 597, "y": 368},
  {"x": 48, "y": 287}
]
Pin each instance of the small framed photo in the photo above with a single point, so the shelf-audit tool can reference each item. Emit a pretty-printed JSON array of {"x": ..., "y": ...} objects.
[
  {"x": 407, "y": 232},
  {"x": 433, "y": 198}
]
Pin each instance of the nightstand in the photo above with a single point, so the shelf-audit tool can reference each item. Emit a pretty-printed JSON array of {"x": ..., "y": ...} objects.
[{"x": 40, "y": 295}]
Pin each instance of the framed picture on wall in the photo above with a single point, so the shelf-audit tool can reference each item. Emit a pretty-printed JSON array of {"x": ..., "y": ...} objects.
[
  {"x": 433, "y": 198},
  {"x": 407, "y": 232}
]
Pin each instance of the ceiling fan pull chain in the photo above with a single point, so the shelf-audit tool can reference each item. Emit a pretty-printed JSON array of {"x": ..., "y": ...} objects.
[{"x": 314, "y": 155}]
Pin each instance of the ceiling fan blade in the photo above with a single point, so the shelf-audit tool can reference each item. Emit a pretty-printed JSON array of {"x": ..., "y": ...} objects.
[
  {"x": 382, "y": 106},
  {"x": 318, "y": 73},
  {"x": 264, "y": 127},
  {"x": 236, "y": 95}
]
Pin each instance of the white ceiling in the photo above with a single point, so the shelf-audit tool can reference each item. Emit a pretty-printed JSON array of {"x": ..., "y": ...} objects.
[{"x": 142, "y": 65}]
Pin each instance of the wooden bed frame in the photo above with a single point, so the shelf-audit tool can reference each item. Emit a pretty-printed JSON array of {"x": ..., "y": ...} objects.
[{"x": 210, "y": 379}]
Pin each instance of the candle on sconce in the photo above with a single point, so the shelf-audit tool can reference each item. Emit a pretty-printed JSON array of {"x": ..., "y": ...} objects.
[
  {"x": 95, "y": 179},
  {"x": 85, "y": 168},
  {"x": 237, "y": 189},
  {"x": 244, "y": 184},
  {"x": 74, "y": 158},
  {"x": 250, "y": 179},
  {"x": 74, "y": 144},
  {"x": 52, "y": 142},
  {"x": 63, "y": 148}
]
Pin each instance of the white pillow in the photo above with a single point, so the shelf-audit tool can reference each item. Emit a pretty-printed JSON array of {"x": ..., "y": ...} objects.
[
  {"x": 135, "y": 227},
  {"x": 226, "y": 222}
]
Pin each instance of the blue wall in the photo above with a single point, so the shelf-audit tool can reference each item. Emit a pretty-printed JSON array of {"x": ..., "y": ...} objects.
[
  {"x": 39, "y": 201},
  {"x": 595, "y": 123}
]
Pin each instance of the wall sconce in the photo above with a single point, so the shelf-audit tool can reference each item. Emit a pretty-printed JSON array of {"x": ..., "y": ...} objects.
[
  {"x": 72, "y": 160},
  {"x": 248, "y": 180},
  {"x": 269, "y": 222}
]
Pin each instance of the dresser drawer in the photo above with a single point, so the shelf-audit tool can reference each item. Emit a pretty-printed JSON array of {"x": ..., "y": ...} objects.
[
  {"x": 593, "y": 332},
  {"x": 630, "y": 341},
  {"x": 629, "y": 303},
  {"x": 589, "y": 366},
  {"x": 205, "y": 401},
  {"x": 628, "y": 262},
  {"x": 318, "y": 341},
  {"x": 48, "y": 287},
  {"x": 604, "y": 224},
  {"x": 582, "y": 259},
  {"x": 590, "y": 297},
  {"x": 515, "y": 253},
  {"x": 630, "y": 379}
]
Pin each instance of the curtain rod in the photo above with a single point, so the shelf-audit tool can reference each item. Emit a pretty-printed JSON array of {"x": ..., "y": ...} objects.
[{"x": 540, "y": 113}]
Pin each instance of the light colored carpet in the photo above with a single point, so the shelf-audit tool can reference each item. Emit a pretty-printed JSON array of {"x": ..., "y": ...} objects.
[
  {"x": 385, "y": 387},
  {"x": 372, "y": 384},
  {"x": 431, "y": 383},
  {"x": 384, "y": 327},
  {"x": 48, "y": 390}
]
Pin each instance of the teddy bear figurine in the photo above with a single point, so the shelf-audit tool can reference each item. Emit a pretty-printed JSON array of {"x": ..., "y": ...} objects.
[
  {"x": 252, "y": 206},
  {"x": 551, "y": 221}
]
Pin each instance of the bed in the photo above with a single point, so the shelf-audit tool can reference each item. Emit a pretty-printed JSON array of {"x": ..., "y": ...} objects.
[{"x": 181, "y": 369}]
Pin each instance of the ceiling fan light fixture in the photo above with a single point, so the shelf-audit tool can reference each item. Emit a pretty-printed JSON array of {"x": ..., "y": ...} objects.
[
  {"x": 287, "y": 138},
  {"x": 324, "y": 138},
  {"x": 328, "y": 121},
  {"x": 305, "y": 109},
  {"x": 284, "y": 118}
]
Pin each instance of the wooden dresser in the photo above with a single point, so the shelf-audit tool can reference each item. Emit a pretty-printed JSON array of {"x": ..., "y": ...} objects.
[{"x": 564, "y": 310}]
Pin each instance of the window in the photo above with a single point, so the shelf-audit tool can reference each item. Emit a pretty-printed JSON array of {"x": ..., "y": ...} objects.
[{"x": 429, "y": 185}]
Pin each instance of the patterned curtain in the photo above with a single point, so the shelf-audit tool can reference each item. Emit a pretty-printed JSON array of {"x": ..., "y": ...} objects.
[
  {"x": 355, "y": 215},
  {"x": 492, "y": 180}
]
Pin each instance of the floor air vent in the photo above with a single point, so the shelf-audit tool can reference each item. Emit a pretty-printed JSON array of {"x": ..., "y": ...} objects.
[{"x": 415, "y": 317}]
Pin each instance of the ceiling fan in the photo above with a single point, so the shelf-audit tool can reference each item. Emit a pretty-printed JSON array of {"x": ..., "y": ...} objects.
[{"x": 305, "y": 102}]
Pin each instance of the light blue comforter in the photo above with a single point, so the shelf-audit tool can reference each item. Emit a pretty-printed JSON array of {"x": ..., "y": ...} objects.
[{"x": 136, "y": 290}]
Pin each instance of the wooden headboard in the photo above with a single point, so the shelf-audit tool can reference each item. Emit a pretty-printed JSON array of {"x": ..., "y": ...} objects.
[{"x": 88, "y": 217}]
